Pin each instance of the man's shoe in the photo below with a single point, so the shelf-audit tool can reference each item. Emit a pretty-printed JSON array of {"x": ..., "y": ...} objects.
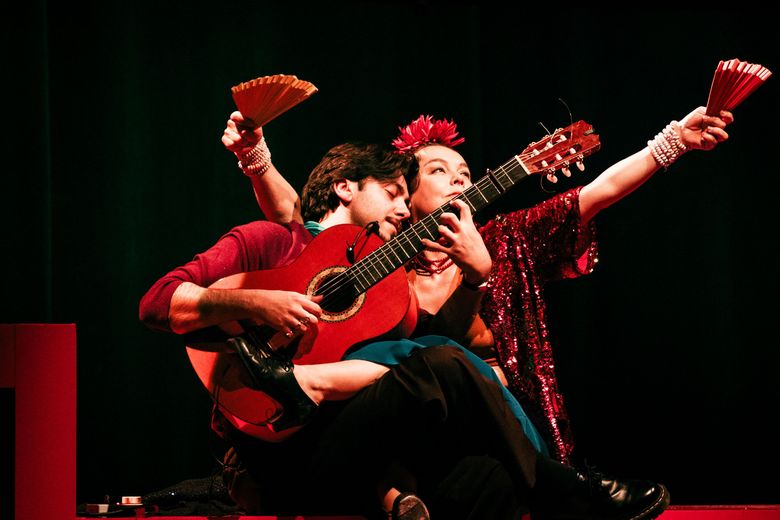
[
  {"x": 606, "y": 498},
  {"x": 408, "y": 506},
  {"x": 273, "y": 374}
]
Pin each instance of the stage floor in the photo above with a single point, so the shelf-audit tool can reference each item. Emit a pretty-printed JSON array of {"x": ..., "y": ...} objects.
[{"x": 740, "y": 512}]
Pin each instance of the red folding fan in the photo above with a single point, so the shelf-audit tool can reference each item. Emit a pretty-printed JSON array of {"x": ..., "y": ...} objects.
[
  {"x": 263, "y": 99},
  {"x": 732, "y": 83}
]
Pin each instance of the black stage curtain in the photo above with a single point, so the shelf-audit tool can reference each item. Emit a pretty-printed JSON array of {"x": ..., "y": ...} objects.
[{"x": 115, "y": 173}]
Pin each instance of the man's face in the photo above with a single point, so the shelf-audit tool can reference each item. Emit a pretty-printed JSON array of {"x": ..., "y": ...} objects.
[{"x": 383, "y": 201}]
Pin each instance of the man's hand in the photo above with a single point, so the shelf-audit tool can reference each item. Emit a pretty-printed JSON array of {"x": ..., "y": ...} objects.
[{"x": 286, "y": 311}]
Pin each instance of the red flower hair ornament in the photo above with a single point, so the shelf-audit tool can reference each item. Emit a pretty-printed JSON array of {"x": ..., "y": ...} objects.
[{"x": 424, "y": 131}]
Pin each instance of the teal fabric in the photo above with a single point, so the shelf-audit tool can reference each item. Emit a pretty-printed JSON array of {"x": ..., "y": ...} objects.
[
  {"x": 392, "y": 352},
  {"x": 313, "y": 227}
]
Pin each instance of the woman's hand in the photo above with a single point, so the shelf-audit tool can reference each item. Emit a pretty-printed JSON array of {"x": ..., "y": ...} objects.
[
  {"x": 241, "y": 134},
  {"x": 699, "y": 131},
  {"x": 463, "y": 243}
]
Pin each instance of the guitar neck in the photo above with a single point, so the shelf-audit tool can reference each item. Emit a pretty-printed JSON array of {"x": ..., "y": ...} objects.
[
  {"x": 555, "y": 151},
  {"x": 396, "y": 252}
]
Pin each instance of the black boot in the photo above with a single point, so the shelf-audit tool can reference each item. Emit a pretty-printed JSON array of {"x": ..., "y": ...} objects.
[
  {"x": 408, "y": 506},
  {"x": 272, "y": 373},
  {"x": 590, "y": 495}
]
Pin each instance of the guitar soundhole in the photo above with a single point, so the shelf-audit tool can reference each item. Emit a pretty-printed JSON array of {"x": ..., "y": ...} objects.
[
  {"x": 340, "y": 295},
  {"x": 342, "y": 300}
]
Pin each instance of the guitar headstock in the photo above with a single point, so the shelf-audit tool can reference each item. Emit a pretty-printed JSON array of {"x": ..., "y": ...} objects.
[{"x": 561, "y": 149}]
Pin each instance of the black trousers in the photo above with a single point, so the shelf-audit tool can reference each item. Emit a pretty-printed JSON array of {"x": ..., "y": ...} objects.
[{"x": 433, "y": 414}]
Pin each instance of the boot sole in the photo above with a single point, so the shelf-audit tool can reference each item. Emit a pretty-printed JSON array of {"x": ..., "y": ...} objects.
[{"x": 655, "y": 509}]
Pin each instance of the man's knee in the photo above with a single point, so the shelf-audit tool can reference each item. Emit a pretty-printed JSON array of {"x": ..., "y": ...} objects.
[
  {"x": 442, "y": 360},
  {"x": 452, "y": 371}
]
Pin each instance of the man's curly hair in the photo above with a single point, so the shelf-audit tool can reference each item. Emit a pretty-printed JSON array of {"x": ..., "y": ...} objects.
[{"x": 352, "y": 161}]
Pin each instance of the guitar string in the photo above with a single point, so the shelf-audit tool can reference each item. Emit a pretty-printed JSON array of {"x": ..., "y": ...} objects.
[
  {"x": 369, "y": 263},
  {"x": 373, "y": 259}
]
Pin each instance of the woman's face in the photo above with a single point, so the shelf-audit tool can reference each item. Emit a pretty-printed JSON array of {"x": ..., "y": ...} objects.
[{"x": 443, "y": 174}]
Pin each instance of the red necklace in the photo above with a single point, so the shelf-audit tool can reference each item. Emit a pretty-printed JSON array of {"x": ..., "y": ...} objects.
[{"x": 425, "y": 267}]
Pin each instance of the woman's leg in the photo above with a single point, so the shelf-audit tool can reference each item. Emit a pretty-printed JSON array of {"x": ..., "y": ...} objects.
[{"x": 393, "y": 352}]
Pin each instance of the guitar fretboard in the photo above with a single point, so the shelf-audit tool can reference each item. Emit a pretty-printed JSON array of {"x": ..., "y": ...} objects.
[{"x": 396, "y": 252}]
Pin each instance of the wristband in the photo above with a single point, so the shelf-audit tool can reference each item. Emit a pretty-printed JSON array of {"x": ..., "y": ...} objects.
[{"x": 257, "y": 161}]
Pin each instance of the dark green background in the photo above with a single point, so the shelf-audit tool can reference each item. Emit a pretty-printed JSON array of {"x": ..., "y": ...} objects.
[{"x": 114, "y": 173}]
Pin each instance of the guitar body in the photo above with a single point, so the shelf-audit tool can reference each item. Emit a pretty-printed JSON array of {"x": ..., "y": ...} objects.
[
  {"x": 383, "y": 308},
  {"x": 377, "y": 300}
]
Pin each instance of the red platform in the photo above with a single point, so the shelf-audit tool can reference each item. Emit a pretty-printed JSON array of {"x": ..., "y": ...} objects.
[
  {"x": 752, "y": 512},
  {"x": 39, "y": 363}
]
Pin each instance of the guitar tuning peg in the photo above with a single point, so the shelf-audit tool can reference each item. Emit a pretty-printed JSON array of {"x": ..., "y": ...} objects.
[
  {"x": 572, "y": 151},
  {"x": 544, "y": 163},
  {"x": 580, "y": 166},
  {"x": 548, "y": 145},
  {"x": 558, "y": 157},
  {"x": 566, "y": 171},
  {"x": 552, "y": 178},
  {"x": 535, "y": 152}
]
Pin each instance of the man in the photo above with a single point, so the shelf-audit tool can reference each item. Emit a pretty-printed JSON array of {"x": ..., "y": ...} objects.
[
  {"x": 359, "y": 184},
  {"x": 352, "y": 184},
  {"x": 432, "y": 414}
]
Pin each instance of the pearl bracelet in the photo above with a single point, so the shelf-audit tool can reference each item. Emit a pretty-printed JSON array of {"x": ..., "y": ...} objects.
[
  {"x": 257, "y": 161},
  {"x": 667, "y": 146}
]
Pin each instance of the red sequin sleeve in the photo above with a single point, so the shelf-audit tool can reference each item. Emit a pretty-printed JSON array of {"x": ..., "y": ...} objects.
[
  {"x": 530, "y": 247},
  {"x": 555, "y": 242}
]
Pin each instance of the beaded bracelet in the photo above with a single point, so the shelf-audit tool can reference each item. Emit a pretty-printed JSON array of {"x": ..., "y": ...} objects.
[
  {"x": 667, "y": 147},
  {"x": 257, "y": 161}
]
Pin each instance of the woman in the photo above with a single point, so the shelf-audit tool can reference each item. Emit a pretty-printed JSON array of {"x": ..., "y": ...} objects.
[{"x": 529, "y": 247}]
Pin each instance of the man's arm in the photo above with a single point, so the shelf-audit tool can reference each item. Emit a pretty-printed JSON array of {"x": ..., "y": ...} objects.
[
  {"x": 193, "y": 307},
  {"x": 181, "y": 301}
]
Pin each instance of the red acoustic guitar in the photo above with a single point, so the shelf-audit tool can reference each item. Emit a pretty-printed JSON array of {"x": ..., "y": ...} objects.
[{"x": 365, "y": 297}]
